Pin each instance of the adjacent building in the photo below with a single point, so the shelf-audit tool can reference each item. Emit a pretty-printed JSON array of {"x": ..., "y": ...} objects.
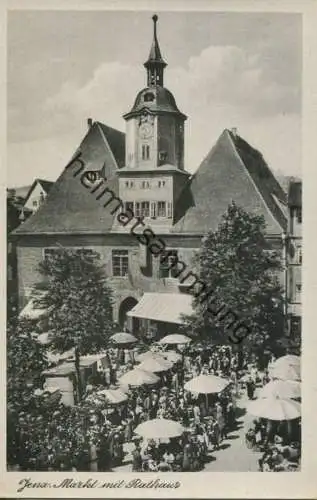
[
  {"x": 294, "y": 258},
  {"x": 22, "y": 202},
  {"x": 145, "y": 172},
  {"x": 37, "y": 194}
]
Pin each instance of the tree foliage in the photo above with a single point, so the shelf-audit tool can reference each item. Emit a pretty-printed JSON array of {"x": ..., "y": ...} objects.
[
  {"x": 242, "y": 273},
  {"x": 78, "y": 301},
  {"x": 26, "y": 359}
]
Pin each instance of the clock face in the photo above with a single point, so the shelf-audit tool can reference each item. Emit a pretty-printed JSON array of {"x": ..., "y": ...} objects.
[{"x": 146, "y": 131}]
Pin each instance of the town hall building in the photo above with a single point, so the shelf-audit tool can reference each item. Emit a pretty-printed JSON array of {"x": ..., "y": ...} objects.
[{"x": 145, "y": 169}]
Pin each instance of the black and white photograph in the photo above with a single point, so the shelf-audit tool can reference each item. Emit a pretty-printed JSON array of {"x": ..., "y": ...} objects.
[{"x": 154, "y": 243}]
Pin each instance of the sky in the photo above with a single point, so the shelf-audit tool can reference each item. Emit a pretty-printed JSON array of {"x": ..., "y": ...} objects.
[{"x": 226, "y": 70}]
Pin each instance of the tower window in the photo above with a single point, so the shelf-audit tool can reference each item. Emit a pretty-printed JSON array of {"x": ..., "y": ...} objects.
[
  {"x": 148, "y": 97},
  {"x": 145, "y": 152}
]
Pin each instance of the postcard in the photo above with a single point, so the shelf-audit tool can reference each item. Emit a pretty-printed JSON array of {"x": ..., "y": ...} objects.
[{"x": 158, "y": 257}]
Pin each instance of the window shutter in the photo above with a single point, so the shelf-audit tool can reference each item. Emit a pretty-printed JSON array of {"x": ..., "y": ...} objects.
[
  {"x": 169, "y": 209},
  {"x": 153, "y": 209},
  {"x": 143, "y": 255}
]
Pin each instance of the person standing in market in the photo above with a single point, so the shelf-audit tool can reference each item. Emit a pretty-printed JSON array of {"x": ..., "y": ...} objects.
[
  {"x": 250, "y": 387},
  {"x": 137, "y": 458},
  {"x": 197, "y": 414}
]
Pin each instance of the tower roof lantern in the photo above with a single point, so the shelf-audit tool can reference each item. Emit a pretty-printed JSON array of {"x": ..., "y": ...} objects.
[{"x": 155, "y": 56}]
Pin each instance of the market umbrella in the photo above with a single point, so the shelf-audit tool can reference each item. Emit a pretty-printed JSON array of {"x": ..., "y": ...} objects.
[
  {"x": 281, "y": 389},
  {"x": 137, "y": 377},
  {"x": 123, "y": 338},
  {"x": 159, "y": 428},
  {"x": 206, "y": 384},
  {"x": 288, "y": 360},
  {"x": 172, "y": 356},
  {"x": 275, "y": 408},
  {"x": 149, "y": 355},
  {"x": 285, "y": 372},
  {"x": 44, "y": 338},
  {"x": 112, "y": 396},
  {"x": 155, "y": 365},
  {"x": 175, "y": 338}
]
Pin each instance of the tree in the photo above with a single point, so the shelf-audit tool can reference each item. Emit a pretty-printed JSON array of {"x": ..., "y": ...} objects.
[
  {"x": 241, "y": 274},
  {"x": 78, "y": 302},
  {"x": 26, "y": 359}
]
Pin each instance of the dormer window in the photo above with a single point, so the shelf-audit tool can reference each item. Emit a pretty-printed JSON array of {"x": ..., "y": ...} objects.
[
  {"x": 148, "y": 97},
  {"x": 162, "y": 156}
]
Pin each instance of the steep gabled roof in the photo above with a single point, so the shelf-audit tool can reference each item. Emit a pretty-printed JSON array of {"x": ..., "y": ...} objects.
[
  {"x": 232, "y": 171},
  {"x": 46, "y": 185},
  {"x": 69, "y": 206}
]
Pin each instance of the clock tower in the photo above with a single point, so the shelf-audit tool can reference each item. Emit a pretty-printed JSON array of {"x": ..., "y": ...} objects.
[{"x": 154, "y": 168}]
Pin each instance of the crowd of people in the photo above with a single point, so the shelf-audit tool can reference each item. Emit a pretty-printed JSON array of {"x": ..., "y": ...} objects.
[
  {"x": 93, "y": 435},
  {"x": 206, "y": 418}
]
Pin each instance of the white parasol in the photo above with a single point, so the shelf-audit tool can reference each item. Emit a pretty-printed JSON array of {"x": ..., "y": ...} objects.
[
  {"x": 137, "y": 377},
  {"x": 159, "y": 428},
  {"x": 149, "y": 355},
  {"x": 155, "y": 365},
  {"x": 112, "y": 396},
  {"x": 206, "y": 384},
  {"x": 285, "y": 372},
  {"x": 175, "y": 338},
  {"x": 123, "y": 338},
  {"x": 275, "y": 408},
  {"x": 281, "y": 389}
]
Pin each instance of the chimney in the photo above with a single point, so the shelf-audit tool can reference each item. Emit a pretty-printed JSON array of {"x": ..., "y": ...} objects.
[
  {"x": 234, "y": 132},
  {"x": 89, "y": 123}
]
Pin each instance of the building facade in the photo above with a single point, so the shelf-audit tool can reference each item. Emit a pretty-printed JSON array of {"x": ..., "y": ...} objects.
[
  {"x": 143, "y": 173},
  {"x": 294, "y": 259}
]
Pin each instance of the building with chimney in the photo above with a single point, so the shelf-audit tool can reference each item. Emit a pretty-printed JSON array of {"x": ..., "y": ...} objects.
[
  {"x": 294, "y": 259},
  {"x": 144, "y": 169}
]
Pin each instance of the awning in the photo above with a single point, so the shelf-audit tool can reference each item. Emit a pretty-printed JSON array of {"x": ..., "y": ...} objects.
[
  {"x": 32, "y": 312},
  {"x": 167, "y": 307}
]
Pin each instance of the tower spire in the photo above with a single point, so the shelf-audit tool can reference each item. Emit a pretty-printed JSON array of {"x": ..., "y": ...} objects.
[{"x": 155, "y": 64}]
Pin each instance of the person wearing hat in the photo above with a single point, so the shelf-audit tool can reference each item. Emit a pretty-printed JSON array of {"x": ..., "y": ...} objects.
[
  {"x": 250, "y": 387},
  {"x": 197, "y": 414},
  {"x": 137, "y": 458},
  {"x": 215, "y": 434}
]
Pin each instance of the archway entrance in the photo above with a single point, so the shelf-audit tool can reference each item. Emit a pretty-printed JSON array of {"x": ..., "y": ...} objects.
[{"x": 126, "y": 322}]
